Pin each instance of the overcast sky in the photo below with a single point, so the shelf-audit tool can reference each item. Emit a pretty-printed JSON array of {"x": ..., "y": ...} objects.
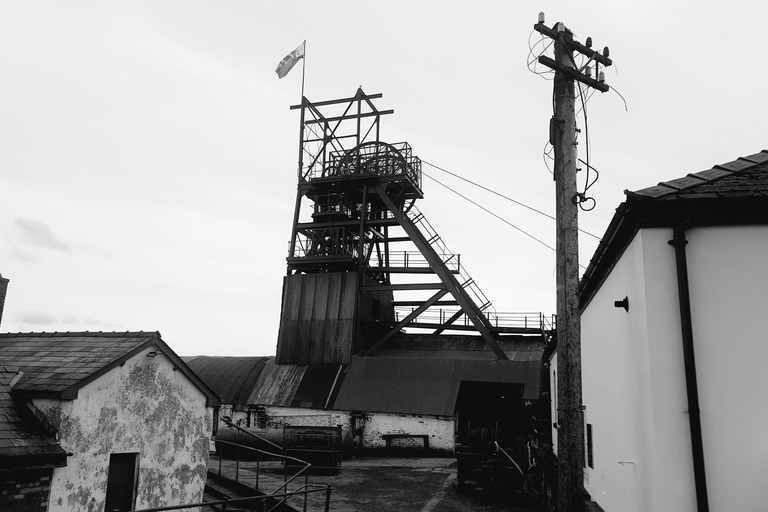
[{"x": 148, "y": 153}]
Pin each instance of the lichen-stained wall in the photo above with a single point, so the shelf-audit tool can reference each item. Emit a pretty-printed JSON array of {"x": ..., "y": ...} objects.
[{"x": 145, "y": 407}]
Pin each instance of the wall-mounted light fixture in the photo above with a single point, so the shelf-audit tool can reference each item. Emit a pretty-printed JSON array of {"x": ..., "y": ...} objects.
[{"x": 624, "y": 303}]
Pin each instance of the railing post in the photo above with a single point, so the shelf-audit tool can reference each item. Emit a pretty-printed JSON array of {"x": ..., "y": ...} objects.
[
  {"x": 306, "y": 489},
  {"x": 237, "y": 457},
  {"x": 327, "y": 498},
  {"x": 258, "y": 459}
]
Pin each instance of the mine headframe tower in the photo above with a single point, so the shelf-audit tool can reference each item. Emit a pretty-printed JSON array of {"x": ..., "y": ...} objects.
[{"x": 360, "y": 193}]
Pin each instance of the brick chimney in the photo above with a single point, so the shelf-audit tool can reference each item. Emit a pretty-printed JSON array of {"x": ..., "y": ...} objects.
[{"x": 3, "y": 289}]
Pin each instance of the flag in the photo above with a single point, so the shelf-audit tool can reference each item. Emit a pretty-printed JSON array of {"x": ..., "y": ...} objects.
[{"x": 290, "y": 60}]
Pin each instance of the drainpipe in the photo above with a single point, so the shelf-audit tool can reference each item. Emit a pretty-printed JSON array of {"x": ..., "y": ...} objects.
[{"x": 694, "y": 414}]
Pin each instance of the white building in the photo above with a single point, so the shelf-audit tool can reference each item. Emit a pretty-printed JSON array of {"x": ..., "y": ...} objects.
[
  {"x": 690, "y": 257},
  {"x": 132, "y": 417}
]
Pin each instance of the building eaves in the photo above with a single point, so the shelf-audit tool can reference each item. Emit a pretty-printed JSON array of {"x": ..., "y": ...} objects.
[
  {"x": 696, "y": 180},
  {"x": 58, "y": 364},
  {"x": 734, "y": 193},
  {"x": 24, "y": 443}
]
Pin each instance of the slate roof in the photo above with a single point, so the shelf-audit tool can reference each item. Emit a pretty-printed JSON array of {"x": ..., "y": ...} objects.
[
  {"x": 24, "y": 443},
  {"x": 745, "y": 177},
  {"x": 57, "y": 364},
  {"x": 734, "y": 193},
  {"x": 232, "y": 378}
]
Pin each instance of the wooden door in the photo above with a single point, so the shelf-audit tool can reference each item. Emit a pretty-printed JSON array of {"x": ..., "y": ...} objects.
[{"x": 121, "y": 482}]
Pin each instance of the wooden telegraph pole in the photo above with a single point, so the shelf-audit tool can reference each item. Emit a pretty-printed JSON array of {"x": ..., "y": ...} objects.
[{"x": 570, "y": 422}]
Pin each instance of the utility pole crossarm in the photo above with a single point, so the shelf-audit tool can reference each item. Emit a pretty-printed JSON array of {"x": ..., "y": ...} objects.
[
  {"x": 574, "y": 74},
  {"x": 574, "y": 45},
  {"x": 565, "y": 37}
]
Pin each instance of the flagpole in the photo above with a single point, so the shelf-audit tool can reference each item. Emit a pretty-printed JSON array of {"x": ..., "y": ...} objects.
[
  {"x": 303, "y": 69},
  {"x": 301, "y": 124}
]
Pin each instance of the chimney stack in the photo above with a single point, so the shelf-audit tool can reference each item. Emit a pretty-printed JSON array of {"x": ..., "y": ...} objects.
[{"x": 3, "y": 289}]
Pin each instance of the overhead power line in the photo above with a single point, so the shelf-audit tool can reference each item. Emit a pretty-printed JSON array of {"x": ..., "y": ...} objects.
[
  {"x": 496, "y": 193},
  {"x": 505, "y": 221},
  {"x": 489, "y": 211}
]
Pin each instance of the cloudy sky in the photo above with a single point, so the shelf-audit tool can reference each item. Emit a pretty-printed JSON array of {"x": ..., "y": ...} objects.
[{"x": 148, "y": 153}]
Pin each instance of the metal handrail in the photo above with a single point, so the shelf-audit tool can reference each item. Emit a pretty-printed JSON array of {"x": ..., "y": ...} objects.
[
  {"x": 276, "y": 493},
  {"x": 229, "y": 501},
  {"x": 414, "y": 259},
  {"x": 481, "y": 301},
  {"x": 521, "y": 320}
]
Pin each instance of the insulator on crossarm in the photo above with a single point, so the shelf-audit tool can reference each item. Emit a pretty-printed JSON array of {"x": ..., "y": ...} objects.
[
  {"x": 589, "y": 71},
  {"x": 541, "y": 18},
  {"x": 588, "y": 44},
  {"x": 561, "y": 27},
  {"x": 601, "y": 77},
  {"x": 606, "y": 52}
]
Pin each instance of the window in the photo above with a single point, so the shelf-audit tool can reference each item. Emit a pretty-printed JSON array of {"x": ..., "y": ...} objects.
[{"x": 590, "y": 460}]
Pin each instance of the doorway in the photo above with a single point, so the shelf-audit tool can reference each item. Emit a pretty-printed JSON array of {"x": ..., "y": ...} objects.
[{"x": 121, "y": 482}]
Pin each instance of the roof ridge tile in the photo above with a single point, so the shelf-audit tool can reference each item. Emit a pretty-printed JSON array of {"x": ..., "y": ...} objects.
[
  {"x": 737, "y": 165},
  {"x": 758, "y": 158},
  {"x": 80, "y": 334}
]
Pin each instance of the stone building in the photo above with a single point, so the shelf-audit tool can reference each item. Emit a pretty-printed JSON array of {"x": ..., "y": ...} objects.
[{"x": 132, "y": 419}]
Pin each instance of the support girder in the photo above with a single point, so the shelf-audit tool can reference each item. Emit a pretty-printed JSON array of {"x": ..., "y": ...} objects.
[
  {"x": 404, "y": 322},
  {"x": 446, "y": 276}
]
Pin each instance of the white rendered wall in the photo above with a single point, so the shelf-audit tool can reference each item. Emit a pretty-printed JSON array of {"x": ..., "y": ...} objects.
[
  {"x": 142, "y": 407},
  {"x": 728, "y": 269},
  {"x": 633, "y": 384},
  {"x": 634, "y": 376}
]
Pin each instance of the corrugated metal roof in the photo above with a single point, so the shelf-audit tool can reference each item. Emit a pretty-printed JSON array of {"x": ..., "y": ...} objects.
[
  {"x": 427, "y": 383},
  {"x": 440, "y": 346},
  {"x": 232, "y": 378},
  {"x": 316, "y": 386},
  {"x": 277, "y": 384}
]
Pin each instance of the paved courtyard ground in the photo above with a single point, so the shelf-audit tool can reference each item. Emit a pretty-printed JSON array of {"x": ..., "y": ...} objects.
[{"x": 380, "y": 485}]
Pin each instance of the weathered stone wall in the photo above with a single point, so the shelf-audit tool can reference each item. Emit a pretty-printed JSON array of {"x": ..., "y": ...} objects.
[
  {"x": 23, "y": 491},
  {"x": 144, "y": 407},
  {"x": 439, "y": 429},
  {"x": 277, "y": 417},
  {"x": 370, "y": 427}
]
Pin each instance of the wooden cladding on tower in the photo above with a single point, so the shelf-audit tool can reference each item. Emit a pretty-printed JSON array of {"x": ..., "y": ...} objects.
[{"x": 321, "y": 322}]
